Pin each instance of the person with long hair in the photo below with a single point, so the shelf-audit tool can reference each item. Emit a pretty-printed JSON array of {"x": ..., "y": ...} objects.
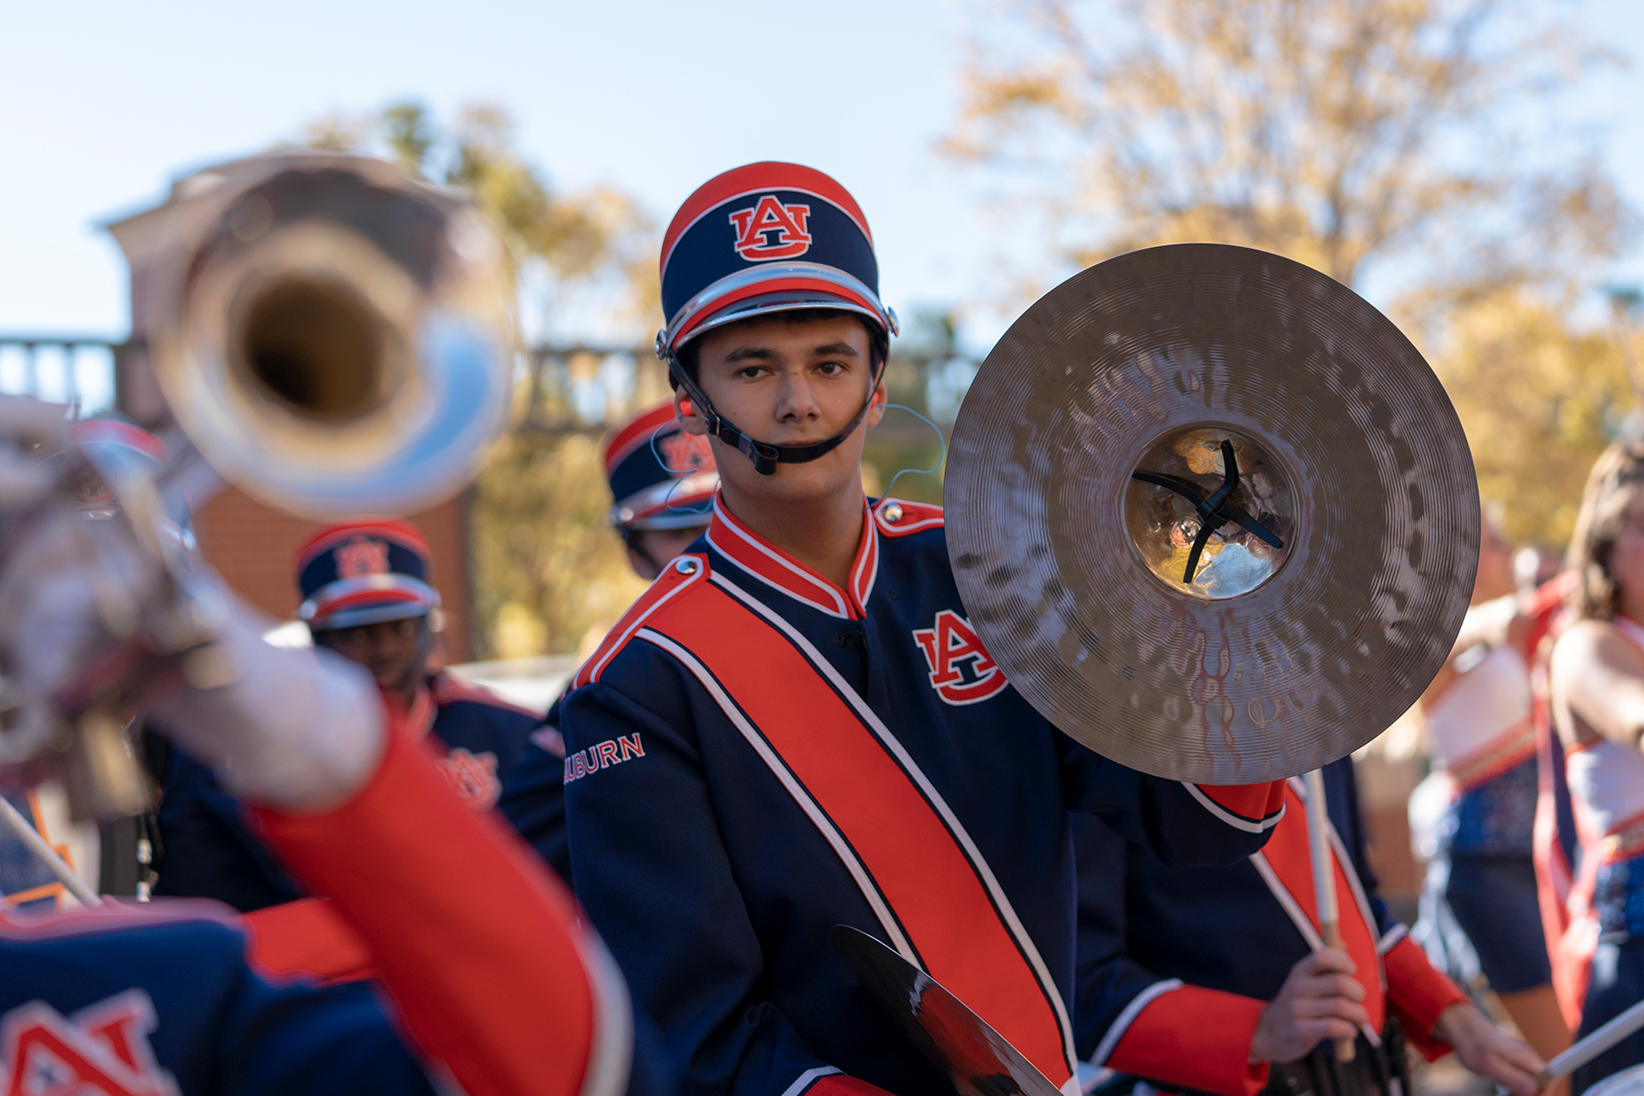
[{"x": 1597, "y": 694}]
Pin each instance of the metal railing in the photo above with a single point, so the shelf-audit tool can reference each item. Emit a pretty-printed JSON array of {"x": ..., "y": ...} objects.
[
  {"x": 74, "y": 369},
  {"x": 571, "y": 389}
]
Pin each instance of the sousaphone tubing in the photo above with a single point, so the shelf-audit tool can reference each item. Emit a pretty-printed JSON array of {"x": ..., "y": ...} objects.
[{"x": 1212, "y": 514}]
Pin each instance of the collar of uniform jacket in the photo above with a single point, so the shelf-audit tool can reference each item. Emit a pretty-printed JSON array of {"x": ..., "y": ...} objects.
[{"x": 774, "y": 567}]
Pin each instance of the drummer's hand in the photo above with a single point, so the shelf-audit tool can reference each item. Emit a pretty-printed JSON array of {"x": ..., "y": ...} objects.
[
  {"x": 1319, "y": 1000},
  {"x": 1487, "y": 1050}
]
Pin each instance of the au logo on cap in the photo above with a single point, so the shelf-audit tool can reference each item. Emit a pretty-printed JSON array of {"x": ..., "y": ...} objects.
[
  {"x": 684, "y": 453},
  {"x": 361, "y": 556},
  {"x": 771, "y": 230}
]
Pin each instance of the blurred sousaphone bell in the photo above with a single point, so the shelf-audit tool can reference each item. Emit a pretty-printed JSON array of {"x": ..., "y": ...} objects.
[
  {"x": 333, "y": 335},
  {"x": 1191, "y": 617}
]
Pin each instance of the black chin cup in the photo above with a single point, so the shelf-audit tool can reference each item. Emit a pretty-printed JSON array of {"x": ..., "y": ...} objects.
[{"x": 764, "y": 455}]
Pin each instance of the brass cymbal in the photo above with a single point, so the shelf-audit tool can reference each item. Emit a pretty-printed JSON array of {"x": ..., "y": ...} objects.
[
  {"x": 1340, "y": 556},
  {"x": 977, "y": 1059}
]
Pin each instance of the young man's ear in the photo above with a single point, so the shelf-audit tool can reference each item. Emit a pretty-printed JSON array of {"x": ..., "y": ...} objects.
[
  {"x": 689, "y": 420},
  {"x": 878, "y": 399}
]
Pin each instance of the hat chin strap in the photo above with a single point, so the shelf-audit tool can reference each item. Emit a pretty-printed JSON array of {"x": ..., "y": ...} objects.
[{"x": 764, "y": 455}]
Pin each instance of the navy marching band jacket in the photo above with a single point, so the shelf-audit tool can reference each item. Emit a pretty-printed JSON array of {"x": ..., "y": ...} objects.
[
  {"x": 1176, "y": 964},
  {"x": 756, "y": 755},
  {"x": 210, "y": 851},
  {"x": 160, "y": 1000},
  {"x": 533, "y": 795}
]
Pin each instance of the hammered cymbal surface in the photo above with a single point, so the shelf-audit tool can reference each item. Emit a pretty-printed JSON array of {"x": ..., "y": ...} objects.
[{"x": 1381, "y": 527}]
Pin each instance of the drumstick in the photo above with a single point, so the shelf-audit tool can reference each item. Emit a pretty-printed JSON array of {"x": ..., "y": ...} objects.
[
  {"x": 1324, "y": 879},
  {"x": 46, "y": 854},
  {"x": 1586, "y": 1049}
]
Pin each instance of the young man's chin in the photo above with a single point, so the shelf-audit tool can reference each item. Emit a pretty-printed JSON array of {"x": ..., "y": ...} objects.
[{"x": 823, "y": 478}]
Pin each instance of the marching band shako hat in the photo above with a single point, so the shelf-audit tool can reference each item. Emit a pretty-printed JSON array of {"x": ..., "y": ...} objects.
[
  {"x": 759, "y": 239},
  {"x": 364, "y": 572},
  {"x": 660, "y": 476}
]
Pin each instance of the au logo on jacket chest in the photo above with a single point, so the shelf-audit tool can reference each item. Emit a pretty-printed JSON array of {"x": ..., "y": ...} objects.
[
  {"x": 961, "y": 670},
  {"x": 771, "y": 230},
  {"x": 473, "y": 777}
]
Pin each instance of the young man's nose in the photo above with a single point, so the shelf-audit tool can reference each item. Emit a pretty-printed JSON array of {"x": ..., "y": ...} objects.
[{"x": 796, "y": 400}]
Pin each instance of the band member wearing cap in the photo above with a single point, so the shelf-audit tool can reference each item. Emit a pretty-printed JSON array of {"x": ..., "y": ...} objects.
[
  {"x": 1478, "y": 718},
  {"x": 366, "y": 597},
  {"x": 796, "y": 726},
  {"x": 662, "y": 484},
  {"x": 162, "y": 998},
  {"x": 663, "y": 481},
  {"x": 1216, "y": 979},
  {"x": 1597, "y": 694}
]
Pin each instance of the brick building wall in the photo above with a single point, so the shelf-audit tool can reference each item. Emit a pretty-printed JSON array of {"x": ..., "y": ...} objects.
[{"x": 254, "y": 546}]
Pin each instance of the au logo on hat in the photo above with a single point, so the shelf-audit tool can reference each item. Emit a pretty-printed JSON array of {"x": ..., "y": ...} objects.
[
  {"x": 684, "y": 453},
  {"x": 361, "y": 556},
  {"x": 771, "y": 230}
]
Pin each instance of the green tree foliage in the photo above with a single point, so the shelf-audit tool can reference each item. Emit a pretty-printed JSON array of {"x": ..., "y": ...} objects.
[
  {"x": 1419, "y": 138},
  {"x": 547, "y": 569}
]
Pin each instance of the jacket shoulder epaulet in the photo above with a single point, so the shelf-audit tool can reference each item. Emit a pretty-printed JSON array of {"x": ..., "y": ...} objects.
[
  {"x": 679, "y": 576},
  {"x": 449, "y": 690},
  {"x": 897, "y": 518}
]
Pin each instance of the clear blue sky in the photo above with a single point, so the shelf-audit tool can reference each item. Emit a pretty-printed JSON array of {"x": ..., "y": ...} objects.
[{"x": 102, "y": 103}]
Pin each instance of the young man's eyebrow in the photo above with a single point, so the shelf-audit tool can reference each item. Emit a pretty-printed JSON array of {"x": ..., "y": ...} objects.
[
  {"x": 750, "y": 353},
  {"x": 835, "y": 349},
  {"x": 765, "y": 353}
]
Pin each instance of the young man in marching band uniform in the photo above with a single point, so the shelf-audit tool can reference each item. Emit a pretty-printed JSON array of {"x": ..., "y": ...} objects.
[
  {"x": 163, "y": 999},
  {"x": 796, "y": 726},
  {"x": 662, "y": 484},
  {"x": 1216, "y": 979},
  {"x": 366, "y": 596}
]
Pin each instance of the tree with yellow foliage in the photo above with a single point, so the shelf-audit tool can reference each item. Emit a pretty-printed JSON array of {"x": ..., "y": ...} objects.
[{"x": 1539, "y": 402}]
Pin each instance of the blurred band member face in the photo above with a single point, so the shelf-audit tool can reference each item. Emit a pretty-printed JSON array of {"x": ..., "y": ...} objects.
[
  {"x": 650, "y": 550},
  {"x": 395, "y": 651}
]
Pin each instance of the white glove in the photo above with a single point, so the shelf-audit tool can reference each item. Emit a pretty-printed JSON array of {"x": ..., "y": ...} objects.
[
  {"x": 301, "y": 730},
  {"x": 296, "y": 728}
]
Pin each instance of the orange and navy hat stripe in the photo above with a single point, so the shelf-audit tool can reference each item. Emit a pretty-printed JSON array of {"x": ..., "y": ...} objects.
[{"x": 776, "y": 285}]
